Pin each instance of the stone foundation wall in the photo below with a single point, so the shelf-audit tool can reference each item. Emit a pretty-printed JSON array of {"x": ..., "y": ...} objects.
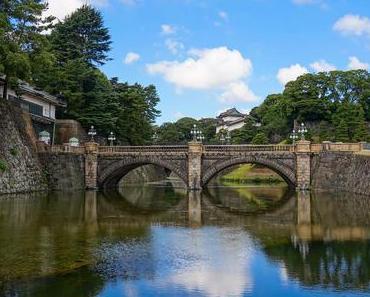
[
  {"x": 65, "y": 172},
  {"x": 341, "y": 172},
  {"x": 20, "y": 170},
  {"x": 66, "y": 129}
]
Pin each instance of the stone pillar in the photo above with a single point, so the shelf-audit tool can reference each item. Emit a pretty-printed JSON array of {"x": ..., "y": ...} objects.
[
  {"x": 194, "y": 209},
  {"x": 91, "y": 165},
  {"x": 195, "y": 150},
  {"x": 303, "y": 164}
]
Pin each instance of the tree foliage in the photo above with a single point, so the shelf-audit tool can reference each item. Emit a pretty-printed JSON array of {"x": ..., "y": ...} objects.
[
  {"x": 22, "y": 46},
  {"x": 338, "y": 100},
  {"x": 81, "y": 36},
  {"x": 63, "y": 60}
]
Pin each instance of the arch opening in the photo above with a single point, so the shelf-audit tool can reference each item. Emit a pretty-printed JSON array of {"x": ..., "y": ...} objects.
[
  {"x": 247, "y": 187},
  {"x": 120, "y": 174},
  {"x": 280, "y": 170}
]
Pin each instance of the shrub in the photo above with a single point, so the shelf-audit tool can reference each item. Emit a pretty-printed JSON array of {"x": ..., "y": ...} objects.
[
  {"x": 14, "y": 151},
  {"x": 3, "y": 166}
]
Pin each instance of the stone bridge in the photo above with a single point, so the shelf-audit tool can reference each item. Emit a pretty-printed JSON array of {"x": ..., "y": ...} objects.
[{"x": 196, "y": 164}]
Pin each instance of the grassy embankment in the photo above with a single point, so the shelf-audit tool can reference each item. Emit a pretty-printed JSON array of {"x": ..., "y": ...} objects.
[{"x": 251, "y": 174}]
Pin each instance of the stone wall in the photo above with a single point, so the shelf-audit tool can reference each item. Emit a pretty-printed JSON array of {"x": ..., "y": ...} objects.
[
  {"x": 341, "y": 172},
  {"x": 20, "y": 170},
  {"x": 65, "y": 172},
  {"x": 66, "y": 129}
]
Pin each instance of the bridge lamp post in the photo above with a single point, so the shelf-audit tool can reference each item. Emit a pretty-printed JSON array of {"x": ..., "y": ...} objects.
[
  {"x": 293, "y": 136},
  {"x": 92, "y": 133},
  {"x": 111, "y": 138},
  {"x": 195, "y": 133},
  {"x": 200, "y": 136},
  {"x": 302, "y": 130}
]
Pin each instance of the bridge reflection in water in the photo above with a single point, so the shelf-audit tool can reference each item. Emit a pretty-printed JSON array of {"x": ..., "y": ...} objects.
[{"x": 142, "y": 236}]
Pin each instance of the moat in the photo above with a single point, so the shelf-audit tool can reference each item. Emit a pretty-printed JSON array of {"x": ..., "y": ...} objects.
[{"x": 158, "y": 240}]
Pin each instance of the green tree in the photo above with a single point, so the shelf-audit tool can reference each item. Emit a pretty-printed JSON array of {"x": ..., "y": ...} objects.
[
  {"x": 341, "y": 131},
  {"x": 168, "y": 134},
  {"x": 135, "y": 112},
  {"x": 81, "y": 36},
  {"x": 22, "y": 45},
  {"x": 208, "y": 127},
  {"x": 184, "y": 126},
  {"x": 247, "y": 132},
  {"x": 260, "y": 138}
]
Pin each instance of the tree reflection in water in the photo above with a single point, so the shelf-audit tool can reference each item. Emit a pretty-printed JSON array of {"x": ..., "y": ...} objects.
[{"x": 83, "y": 243}]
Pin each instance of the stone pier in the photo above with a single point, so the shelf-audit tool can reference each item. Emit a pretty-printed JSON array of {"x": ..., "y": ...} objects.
[
  {"x": 303, "y": 161},
  {"x": 91, "y": 165},
  {"x": 195, "y": 166}
]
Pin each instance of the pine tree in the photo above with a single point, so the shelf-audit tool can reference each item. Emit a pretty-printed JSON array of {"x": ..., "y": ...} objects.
[
  {"x": 360, "y": 132},
  {"x": 82, "y": 36},
  {"x": 341, "y": 132}
]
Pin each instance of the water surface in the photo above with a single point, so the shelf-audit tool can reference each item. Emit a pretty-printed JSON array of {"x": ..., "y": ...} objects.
[{"x": 158, "y": 240}]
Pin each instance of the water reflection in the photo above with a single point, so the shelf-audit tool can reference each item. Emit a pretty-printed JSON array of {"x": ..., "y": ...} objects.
[{"x": 159, "y": 240}]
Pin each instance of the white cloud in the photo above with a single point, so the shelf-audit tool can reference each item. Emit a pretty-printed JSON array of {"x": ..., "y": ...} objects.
[
  {"x": 174, "y": 46},
  {"x": 290, "y": 73},
  {"x": 353, "y": 25},
  {"x": 131, "y": 57},
  {"x": 220, "y": 69},
  {"x": 238, "y": 92},
  {"x": 168, "y": 29},
  {"x": 322, "y": 66},
  {"x": 223, "y": 15},
  {"x": 355, "y": 64},
  {"x": 60, "y": 9},
  {"x": 204, "y": 69}
]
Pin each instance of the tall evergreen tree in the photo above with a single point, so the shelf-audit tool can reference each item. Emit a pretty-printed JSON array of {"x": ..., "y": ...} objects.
[
  {"x": 82, "y": 36},
  {"x": 341, "y": 131}
]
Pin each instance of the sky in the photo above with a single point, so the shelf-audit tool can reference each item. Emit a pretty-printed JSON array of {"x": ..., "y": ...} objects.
[{"x": 205, "y": 56}]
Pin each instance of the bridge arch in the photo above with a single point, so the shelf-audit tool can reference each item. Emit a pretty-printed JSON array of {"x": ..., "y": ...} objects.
[
  {"x": 117, "y": 169},
  {"x": 287, "y": 173}
]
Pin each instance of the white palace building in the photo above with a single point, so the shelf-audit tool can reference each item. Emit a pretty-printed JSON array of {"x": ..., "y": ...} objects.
[{"x": 230, "y": 120}]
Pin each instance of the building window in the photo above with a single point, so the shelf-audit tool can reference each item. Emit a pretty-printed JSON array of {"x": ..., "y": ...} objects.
[
  {"x": 30, "y": 107},
  {"x": 34, "y": 108}
]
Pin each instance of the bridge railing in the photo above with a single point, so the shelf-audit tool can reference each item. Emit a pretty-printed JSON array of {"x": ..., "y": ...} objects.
[
  {"x": 143, "y": 149},
  {"x": 67, "y": 149},
  {"x": 249, "y": 148},
  {"x": 337, "y": 147}
]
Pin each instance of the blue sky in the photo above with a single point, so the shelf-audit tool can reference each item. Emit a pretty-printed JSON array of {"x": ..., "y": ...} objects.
[{"x": 208, "y": 55}]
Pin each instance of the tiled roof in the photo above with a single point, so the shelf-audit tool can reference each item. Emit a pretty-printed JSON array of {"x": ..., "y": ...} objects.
[
  {"x": 27, "y": 88},
  {"x": 232, "y": 112}
]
